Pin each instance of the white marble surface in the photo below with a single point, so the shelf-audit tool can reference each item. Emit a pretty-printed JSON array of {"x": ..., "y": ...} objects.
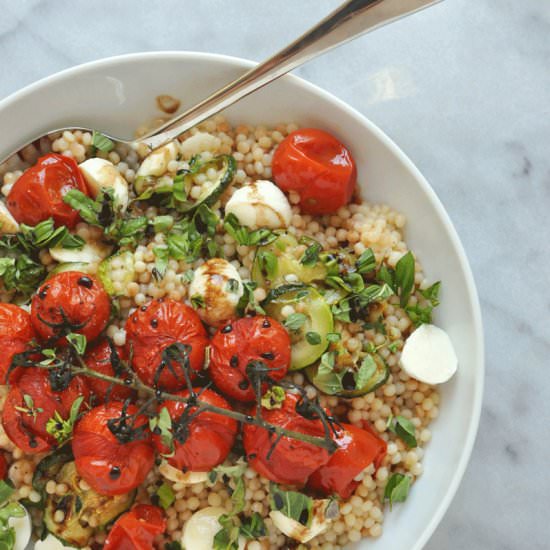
[{"x": 464, "y": 88}]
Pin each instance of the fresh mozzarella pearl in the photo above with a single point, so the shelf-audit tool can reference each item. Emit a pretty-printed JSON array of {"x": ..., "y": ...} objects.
[
  {"x": 51, "y": 543},
  {"x": 8, "y": 225},
  {"x": 23, "y": 529},
  {"x": 218, "y": 287},
  {"x": 201, "y": 527},
  {"x": 91, "y": 252},
  {"x": 260, "y": 204},
  {"x": 295, "y": 530},
  {"x": 101, "y": 174},
  {"x": 429, "y": 356},
  {"x": 156, "y": 164},
  {"x": 177, "y": 476}
]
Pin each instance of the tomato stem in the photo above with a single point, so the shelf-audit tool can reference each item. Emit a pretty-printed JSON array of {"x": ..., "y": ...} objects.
[{"x": 323, "y": 442}]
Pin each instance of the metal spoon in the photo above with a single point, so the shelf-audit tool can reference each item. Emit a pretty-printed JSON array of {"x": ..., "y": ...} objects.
[{"x": 352, "y": 19}]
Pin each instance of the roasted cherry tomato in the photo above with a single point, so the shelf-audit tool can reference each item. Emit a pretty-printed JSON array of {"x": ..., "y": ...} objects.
[
  {"x": 291, "y": 461},
  {"x": 357, "y": 449},
  {"x": 314, "y": 164},
  {"x": 241, "y": 342},
  {"x": 203, "y": 443},
  {"x": 106, "y": 359},
  {"x": 31, "y": 403},
  {"x": 136, "y": 529},
  {"x": 38, "y": 194},
  {"x": 16, "y": 332},
  {"x": 3, "y": 467},
  {"x": 156, "y": 326},
  {"x": 71, "y": 301},
  {"x": 113, "y": 464}
]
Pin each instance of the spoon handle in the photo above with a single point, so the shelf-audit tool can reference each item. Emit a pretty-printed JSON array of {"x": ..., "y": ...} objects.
[{"x": 352, "y": 19}]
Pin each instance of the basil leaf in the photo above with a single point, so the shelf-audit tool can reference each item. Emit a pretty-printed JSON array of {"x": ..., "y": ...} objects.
[
  {"x": 404, "y": 429},
  {"x": 6, "y": 491},
  {"x": 102, "y": 142},
  {"x": 78, "y": 341},
  {"x": 253, "y": 527},
  {"x": 163, "y": 424},
  {"x": 84, "y": 205},
  {"x": 268, "y": 263},
  {"x": 237, "y": 498},
  {"x": 397, "y": 488},
  {"x": 326, "y": 378},
  {"x": 311, "y": 255},
  {"x": 387, "y": 276},
  {"x": 365, "y": 372},
  {"x": 228, "y": 536},
  {"x": 161, "y": 259},
  {"x": 404, "y": 277},
  {"x": 292, "y": 504},
  {"x": 313, "y": 338},
  {"x": 295, "y": 321},
  {"x": 166, "y": 496},
  {"x": 420, "y": 315},
  {"x": 245, "y": 237},
  {"x": 162, "y": 224},
  {"x": 366, "y": 262},
  {"x": 179, "y": 191},
  {"x": 333, "y": 337},
  {"x": 432, "y": 293}
]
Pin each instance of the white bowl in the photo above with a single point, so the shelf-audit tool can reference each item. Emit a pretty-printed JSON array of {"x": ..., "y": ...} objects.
[{"x": 117, "y": 95}]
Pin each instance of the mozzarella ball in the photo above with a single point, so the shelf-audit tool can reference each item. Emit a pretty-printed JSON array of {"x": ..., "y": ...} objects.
[
  {"x": 215, "y": 291},
  {"x": 260, "y": 204},
  {"x": 102, "y": 174},
  {"x": 429, "y": 356},
  {"x": 8, "y": 225}
]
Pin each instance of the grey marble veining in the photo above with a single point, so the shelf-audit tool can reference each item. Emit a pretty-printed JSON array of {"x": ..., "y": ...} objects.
[{"x": 464, "y": 89}]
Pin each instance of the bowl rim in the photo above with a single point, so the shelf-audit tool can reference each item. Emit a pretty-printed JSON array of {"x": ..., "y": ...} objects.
[{"x": 479, "y": 375}]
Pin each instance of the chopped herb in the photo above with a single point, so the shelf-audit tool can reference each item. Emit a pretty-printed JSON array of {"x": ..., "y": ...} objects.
[
  {"x": 404, "y": 429},
  {"x": 162, "y": 255},
  {"x": 311, "y": 255},
  {"x": 165, "y": 495},
  {"x": 313, "y": 338},
  {"x": 246, "y": 237},
  {"x": 227, "y": 538},
  {"x": 233, "y": 286},
  {"x": 237, "y": 497},
  {"x": 393, "y": 346},
  {"x": 333, "y": 337},
  {"x": 102, "y": 142},
  {"x": 366, "y": 262},
  {"x": 327, "y": 379},
  {"x": 197, "y": 301},
  {"x": 423, "y": 314},
  {"x": 273, "y": 398},
  {"x": 188, "y": 276},
  {"x": 365, "y": 372},
  {"x": 404, "y": 277},
  {"x": 268, "y": 263},
  {"x": 161, "y": 224},
  {"x": 6, "y": 491},
  {"x": 61, "y": 429},
  {"x": 295, "y": 321},
  {"x": 397, "y": 488},
  {"x": 377, "y": 326},
  {"x": 253, "y": 527},
  {"x": 353, "y": 307},
  {"x": 292, "y": 504},
  {"x": 78, "y": 341},
  {"x": 162, "y": 425},
  {"x": 235, "y": 471}
]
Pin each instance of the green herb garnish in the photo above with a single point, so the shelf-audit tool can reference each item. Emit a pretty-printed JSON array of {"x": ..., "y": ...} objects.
[{"x": 397, "y": 488}]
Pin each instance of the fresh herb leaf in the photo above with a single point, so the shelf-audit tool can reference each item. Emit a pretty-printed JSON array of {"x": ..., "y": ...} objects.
[
  {"x": 404, "y": 277},
  {"x": 246, "y": 237},
  {"x": 61, "y": 429},
  {"x": 313, "y": 338},
  {"x": 233, "y": 286},
  {"x": 385, "y": 275},
  {"x": 102, "y": 142},
  {"x": 268, "y": 263},
  {"x": 273, "y": 398},
  {"x": 227, "y": 538},
  {"x": 333, "y": 337},
  {"x": 162, "y": 425},
  {"x": 28, "y": 401},
  {"x": 432, "y": 293},
  {"x": 197, "y": 301},
  {"x": 353, "y": 307},
  {"x": 78, "y": 341},
  {"x": 237, "y": 497},
  {"x": 404, "y": 429},
  {"x": 295, "y": 321},
  {"x": 327, "y": 379},
  {"x": 311, "y": 255},
  {"x": 162, "y": 255},
  {"x": 166, "y": 496},
  {"x": 235, "y": 471},
  {"x": 188, "y": 276},
  {"x": 6, "y": 491},
  {"x": 161, "y": 224},
  {"x": 253, "y": 527},
  {"x": 420, "y": 315},
  {"x": 292, "y": 504},
  {"x": 397, "y": 488},
  {"x": 365, "y": 372},
  {"x": 366, "y": 262}
]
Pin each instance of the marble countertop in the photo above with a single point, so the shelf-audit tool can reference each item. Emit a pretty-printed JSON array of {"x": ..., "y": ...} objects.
[{"x": 464, "y": 89}]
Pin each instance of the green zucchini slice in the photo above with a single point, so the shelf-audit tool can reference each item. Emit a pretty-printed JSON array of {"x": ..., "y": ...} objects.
[
  {"x": 317, "y": 324},
  {"x": 348, "y": 378},
  {"x": 276, "y": 264},
  {"x": 79, "y": 507}
]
